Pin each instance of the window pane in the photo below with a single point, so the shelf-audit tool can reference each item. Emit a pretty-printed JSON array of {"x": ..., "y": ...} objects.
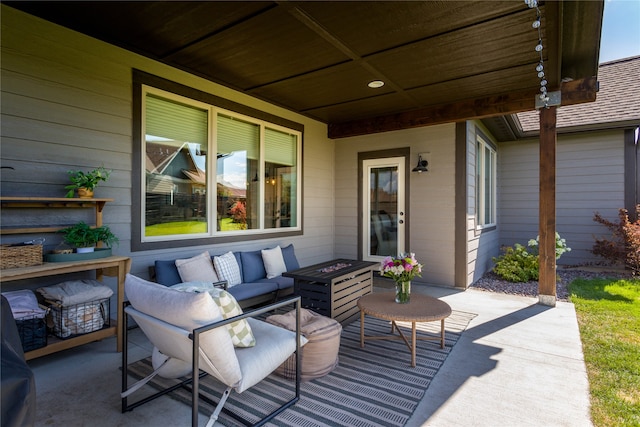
[
  {"x": 175, "y": 166},
  {"x": 487, "y": 186},
  {"x": 479, "y": 184},
  {"x": 280, "y": 201},
  {"x": 383, "y": 211},
  {"x": 238, "y": 197}
]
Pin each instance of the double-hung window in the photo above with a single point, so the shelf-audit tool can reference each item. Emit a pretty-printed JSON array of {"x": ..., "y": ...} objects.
[
  {"x": 485, "y": 182},
  {"x": 208, "y": 172}
]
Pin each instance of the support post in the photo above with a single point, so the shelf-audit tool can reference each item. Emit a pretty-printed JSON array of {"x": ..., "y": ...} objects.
[{"x": 547, "y": 225}]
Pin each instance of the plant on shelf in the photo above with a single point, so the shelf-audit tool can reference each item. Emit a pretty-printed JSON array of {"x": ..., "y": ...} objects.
[
  {"x": 85, "y": 182},
  {"x": 82, "y": 235}
]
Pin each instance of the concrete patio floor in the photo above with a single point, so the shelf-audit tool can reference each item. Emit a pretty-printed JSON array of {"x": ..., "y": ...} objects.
[{"x": 517, "y": 364}]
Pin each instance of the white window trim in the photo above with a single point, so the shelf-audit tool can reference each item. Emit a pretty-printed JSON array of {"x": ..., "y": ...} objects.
[
  {"x": 481, "y": 190},
  {"x": 213, "y": 112}
]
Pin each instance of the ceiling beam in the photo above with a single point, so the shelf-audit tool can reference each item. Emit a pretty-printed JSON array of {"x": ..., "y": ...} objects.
[{"x": 573, "y": 92}]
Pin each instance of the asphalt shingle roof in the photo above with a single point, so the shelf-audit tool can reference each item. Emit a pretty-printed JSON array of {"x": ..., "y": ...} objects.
[{"x": 618, "y": 100}]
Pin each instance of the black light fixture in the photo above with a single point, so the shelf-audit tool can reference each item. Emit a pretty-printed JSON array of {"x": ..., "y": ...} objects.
[{"x": 422, "y": 165}]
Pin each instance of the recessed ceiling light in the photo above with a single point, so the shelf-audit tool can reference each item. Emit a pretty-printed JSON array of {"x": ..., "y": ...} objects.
[{"x": 376, "y": 84}]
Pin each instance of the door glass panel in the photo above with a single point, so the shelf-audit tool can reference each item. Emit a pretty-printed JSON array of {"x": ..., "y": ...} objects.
[{"x": 383, "y": 209}]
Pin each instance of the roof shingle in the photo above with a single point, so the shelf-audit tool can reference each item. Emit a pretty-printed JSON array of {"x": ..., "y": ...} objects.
[{"x": 618, "y": 100}]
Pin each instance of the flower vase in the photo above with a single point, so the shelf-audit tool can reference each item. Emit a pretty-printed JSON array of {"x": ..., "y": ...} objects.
[{"x": 403, "y": 292}]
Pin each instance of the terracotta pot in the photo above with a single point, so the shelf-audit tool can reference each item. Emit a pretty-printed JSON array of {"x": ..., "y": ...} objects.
[{"x": 85, "y": 193}]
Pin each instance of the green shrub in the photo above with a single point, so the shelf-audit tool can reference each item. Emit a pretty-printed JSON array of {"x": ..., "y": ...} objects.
[
  {"x": 561, "y": 246},
  {"x": 517, "y": 264}
]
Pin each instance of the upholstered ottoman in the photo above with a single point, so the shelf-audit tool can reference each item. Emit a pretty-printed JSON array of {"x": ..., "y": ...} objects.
[{"x": 320, "y": 355}]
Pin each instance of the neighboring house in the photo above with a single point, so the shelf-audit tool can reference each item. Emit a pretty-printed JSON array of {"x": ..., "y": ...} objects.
[
  {"x": 67, "y": 103},
  {"x": 598, "y": 165}
]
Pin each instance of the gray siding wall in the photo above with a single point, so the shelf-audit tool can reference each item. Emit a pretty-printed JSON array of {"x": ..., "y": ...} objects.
[
  {"x": 432, "y": 201},
  {"x": 482, "y": 244},
  {"x": 67, "y": 104},
  {"x": 590, "y": 178}
]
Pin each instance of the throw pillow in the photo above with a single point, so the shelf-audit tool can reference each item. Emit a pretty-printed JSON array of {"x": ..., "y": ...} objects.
[
  {"x": 273, "y": 262},
  {"x": 290, "y": 260},
  {"x": 239, "y": 331},
  {"x": 228, "y": 269},
  {"x": 197, "y": 269}
]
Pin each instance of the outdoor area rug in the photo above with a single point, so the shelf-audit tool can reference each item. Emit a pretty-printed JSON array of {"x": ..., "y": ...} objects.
[{"x": 371, "y": 386}]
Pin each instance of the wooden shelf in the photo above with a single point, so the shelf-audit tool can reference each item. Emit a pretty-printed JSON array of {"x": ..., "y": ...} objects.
[
  {"x": 50, "y": 203},
  {"x": 117, "y": 266},
  {"x": 55, "y": 344}
]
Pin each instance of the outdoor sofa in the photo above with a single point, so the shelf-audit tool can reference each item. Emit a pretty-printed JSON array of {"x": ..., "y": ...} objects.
[{"x": 252, "y": 277}]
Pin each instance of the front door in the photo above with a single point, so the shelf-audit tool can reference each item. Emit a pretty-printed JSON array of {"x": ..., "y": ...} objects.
[{"x": 383, "y": 207}]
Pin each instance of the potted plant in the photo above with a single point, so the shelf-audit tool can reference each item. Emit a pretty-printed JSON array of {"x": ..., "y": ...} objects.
[
  {"x": 86, "y": 182},
  {"x": 85, "y": 238}
]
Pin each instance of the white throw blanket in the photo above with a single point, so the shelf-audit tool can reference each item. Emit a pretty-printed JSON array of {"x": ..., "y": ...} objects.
[
  {"x": 76, "y": 292},
  {"x": 24, "y": 304}
]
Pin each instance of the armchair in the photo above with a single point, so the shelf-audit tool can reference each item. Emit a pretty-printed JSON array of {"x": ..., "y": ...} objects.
[{"x": 191, "y": 341}]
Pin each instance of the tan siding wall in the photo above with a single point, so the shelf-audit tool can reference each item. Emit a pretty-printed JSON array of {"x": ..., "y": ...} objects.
[
  {"x": 590, "y": 178},
  {"x": 432, "y": 200},
  {"x": 66, "y": 104}
]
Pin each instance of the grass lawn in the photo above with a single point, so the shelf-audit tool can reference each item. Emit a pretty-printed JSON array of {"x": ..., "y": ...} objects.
[
  {"x": 189, "y": 227},
  {"x": 609, "y": 318}
]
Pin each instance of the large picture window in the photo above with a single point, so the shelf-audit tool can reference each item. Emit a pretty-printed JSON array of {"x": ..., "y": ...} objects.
[
  {"x": 188, "y": 147},
  {"x": 485, "y": 182}
]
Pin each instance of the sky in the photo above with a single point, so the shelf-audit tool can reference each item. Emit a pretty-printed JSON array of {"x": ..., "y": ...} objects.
[{"x": 620, "y": 30}]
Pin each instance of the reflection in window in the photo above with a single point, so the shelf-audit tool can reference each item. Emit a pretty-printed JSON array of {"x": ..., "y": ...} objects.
[
  {"x": 256, "y": 171},
  {"x": 383, "y": 210},
  {"x": 175, "y": 166},
  {"x": 238, "y": 157},
  {"x": 280, "y": 204}
]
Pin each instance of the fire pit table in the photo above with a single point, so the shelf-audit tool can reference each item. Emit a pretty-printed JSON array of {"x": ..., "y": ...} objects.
[{"x": 333, "y": 288}]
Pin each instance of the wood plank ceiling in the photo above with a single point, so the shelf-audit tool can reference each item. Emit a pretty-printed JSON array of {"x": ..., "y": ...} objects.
[{"x": 440, "y": 60}]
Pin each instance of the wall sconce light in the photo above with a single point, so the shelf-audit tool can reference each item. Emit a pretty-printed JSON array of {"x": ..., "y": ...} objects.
[{"x": 422, "y": 165}]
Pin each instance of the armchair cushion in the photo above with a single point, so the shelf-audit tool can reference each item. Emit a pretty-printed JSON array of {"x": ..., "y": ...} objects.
[
  {"x": 197, "y": 268},
  {"x": 228, "y": 269},
  {"x": 188, "y": 311},
  {"x": 276, "y": 344}
]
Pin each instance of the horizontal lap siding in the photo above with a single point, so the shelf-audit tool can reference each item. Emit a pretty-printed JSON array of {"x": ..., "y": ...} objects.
[
  {"x": 67, "y": 104},
  {"x": 431, "y": 203},
  {"x": 482, "y": 244},
  {"x": 589, "y": 179}
]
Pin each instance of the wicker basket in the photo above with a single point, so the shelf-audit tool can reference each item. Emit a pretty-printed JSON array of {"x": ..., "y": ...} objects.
[{"x": 20, "y": 256}]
